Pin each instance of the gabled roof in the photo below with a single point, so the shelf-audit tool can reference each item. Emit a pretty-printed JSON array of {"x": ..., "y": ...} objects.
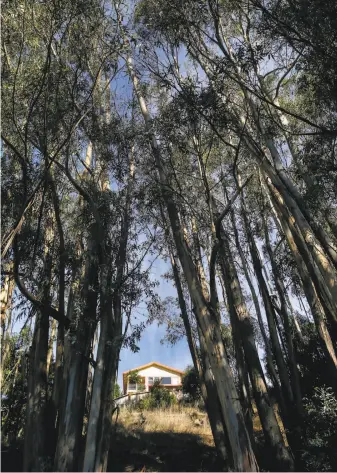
[{"x": 155, "y": 363}]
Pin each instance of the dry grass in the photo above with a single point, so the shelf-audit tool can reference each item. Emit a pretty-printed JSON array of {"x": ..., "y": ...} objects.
[
  {"x": 178, "y": 420},
  {"x": 169, "y": 440},
  {"x": 171, "y": 420},
  {"x": 162, "y": 440}
]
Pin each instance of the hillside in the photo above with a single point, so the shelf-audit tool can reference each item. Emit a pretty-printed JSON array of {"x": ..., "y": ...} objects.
[
  {"x": 162, "y": 440},
  {"x": 177, "y": 438}
]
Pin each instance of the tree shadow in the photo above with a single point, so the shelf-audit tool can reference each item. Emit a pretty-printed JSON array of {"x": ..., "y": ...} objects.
[
  {"x": 137, "y": 450},
  {"x": 12, "y": 457}
]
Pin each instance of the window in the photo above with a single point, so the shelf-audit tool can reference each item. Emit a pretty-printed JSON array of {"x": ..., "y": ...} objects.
[
  {"x": 153, "y": 379},
  {"x": 136, "y": 387},
  {"x": 166, "y": 380}
]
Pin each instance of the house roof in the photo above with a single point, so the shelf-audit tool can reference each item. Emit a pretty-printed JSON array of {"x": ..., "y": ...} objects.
[{"x": 153, "y": 363}]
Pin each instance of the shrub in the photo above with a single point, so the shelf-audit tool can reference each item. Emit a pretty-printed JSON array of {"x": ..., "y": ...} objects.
[
  {"x": 117, "y": 391},
  {"x": 146, "y": 403},
  {"x": 321, "y": 428},
  {"x": 134, "y": 377},
  {"x": 159, "y": 397},
  {"x": 191, "y": 384}
]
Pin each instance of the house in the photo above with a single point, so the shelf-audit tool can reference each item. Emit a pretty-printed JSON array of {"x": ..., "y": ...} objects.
[{"x": 169, "y": 377}]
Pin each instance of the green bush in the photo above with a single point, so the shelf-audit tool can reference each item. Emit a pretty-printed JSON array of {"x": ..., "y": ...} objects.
[
  {"x": 117, "y": 391},
  {"x": 159, "y": 397},
  {"x": 134, "y": 377},
  {"x": 191, "y": 384},
  {"x": 320, "y": 453},
  {"x": 146, "y": 403}
]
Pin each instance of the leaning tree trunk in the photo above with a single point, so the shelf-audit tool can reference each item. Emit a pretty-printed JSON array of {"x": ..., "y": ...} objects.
[
  {"x": 242, "y": 373},
  {"x": 207, "y": 387},
  {"x": 323, "y": 273},
  {"x": 267, "y": 347},
  {"x": 271, "y": 316},
  {"x": 312, "y": 297},
  {"x": 243, "y": 381},
  {"x": 243, "y": 455},
  {"x": 295, "y": 378},
  {"x": 242, "y": 329},
  {"x": 329, "y": 245},
  {"x": 303, "y": 258},
  {"x": 322, "y": 247}
]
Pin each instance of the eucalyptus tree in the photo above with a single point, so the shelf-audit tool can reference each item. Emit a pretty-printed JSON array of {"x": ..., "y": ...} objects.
[
  {"x": 219, "y": 37},
  {"x": 76, "y": 209},
  {"x": 243, "y": 333},
  {"x": 242, "y": 453}
]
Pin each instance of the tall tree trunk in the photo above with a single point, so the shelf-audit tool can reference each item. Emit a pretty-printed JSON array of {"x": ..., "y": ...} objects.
[
  {"x": 306, "y": 259},
  {"x": 316, "y": 238},
  {"x": 324, "y": 239},
  {"x": 36, "y": 416},
  {"x": 104, "y": 438},
  {"x": 243, "y": 330},
  {"x": 52, "y": 338},
  {"x": 243, "y": 381},
  {"x": 311, "y": 295},
  {"x": 6, "y": 317},
  {"x": 98, "y": 385},
  {"x": 267, "y": 347},
  {"x": 58, "y": 370},
  {"x": 207, "y": 387},
  {"x": 323, "y": 273},
  {"x": 271, "y": 316},
  {"x": 295, "y": 379},
  {"x": 77, "y": 346},
  {"x": 35, "y": 436},
  {"x": 96, "y": 459},
  {"x": 243, "y": 455}
]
